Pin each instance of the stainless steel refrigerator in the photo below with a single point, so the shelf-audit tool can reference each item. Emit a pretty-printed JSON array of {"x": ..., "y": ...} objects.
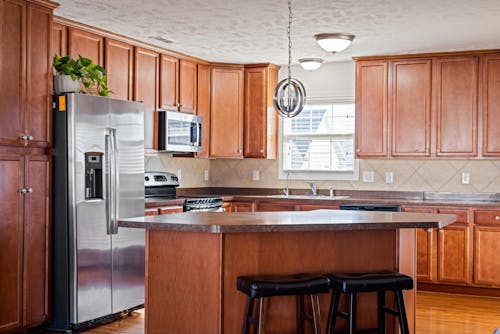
[{"x": 98, "y": 177}]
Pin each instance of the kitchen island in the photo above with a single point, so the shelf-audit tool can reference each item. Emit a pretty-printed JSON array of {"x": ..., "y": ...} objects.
[{"x": 193, "y": 260}]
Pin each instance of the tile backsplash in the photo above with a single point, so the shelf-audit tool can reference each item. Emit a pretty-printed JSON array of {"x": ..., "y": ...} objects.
[{"x": 408, "y": 175}]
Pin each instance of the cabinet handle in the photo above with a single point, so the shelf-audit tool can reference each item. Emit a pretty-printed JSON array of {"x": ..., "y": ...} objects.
[
  {"x": 441, "y": 231},
  {"x": 358, "y": 150},
  {"x": 497, "y": 217},
  {"x": 239, "y": 150},
  {"x": 30, "y": 137},
  {"x": 29, "y": 190},
  {"x": 23, "y": 191},
  {"x": 429, "y": 230},
  {"x": 23, "y": 137},
  {"x": 261, "y": 151}
]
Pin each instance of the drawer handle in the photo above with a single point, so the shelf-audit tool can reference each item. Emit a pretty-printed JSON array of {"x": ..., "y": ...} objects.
[
  {"x": 497, "y": 217},
  {"x": 429, "y": 230},
  {"x": 441, "y": 231}
]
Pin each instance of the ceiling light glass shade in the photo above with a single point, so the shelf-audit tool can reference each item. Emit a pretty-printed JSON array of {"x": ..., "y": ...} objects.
[
  {"x": 334, "y": 42},
  {"x": 310, "y": 64},
  {"x": 289, "y": 97}
]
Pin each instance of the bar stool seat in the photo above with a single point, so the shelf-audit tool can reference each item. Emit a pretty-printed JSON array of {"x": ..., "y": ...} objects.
[
  {"x": 283, "y": 285},
  {"x": 380, "y": 282}
]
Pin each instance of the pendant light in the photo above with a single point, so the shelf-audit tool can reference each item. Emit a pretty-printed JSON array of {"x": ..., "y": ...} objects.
[
  {"x": 335, "y": 42},
  {"x": 289, "y": 95}
]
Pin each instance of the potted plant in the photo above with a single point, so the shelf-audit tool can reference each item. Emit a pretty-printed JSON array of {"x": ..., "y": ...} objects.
[{"x": 71, "y": 74}]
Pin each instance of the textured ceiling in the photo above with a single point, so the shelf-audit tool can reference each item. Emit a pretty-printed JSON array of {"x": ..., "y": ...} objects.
[{"x": 248, "y": 31}]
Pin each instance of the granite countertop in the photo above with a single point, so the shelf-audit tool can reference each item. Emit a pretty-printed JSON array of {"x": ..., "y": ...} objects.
[{"x": 317, "y": 220}]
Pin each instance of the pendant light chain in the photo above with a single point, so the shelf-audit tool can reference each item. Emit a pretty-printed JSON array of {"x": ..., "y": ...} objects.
[{"x": 289, "y": 34}]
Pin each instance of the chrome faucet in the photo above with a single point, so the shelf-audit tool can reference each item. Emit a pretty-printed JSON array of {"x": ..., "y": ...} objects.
[
  {"x": 286, "y": 191},
  {"x": 314, "y": 189}
]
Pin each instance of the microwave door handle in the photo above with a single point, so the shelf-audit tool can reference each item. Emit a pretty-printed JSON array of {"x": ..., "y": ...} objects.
[
  {"x": 198, "y": 134},
  {"x": 194, "y": 133}
]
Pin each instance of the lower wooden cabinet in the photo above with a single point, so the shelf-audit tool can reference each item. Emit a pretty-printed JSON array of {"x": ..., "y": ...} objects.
[
  {"x": 163, "y": 210},
  {"x": 310, "y": 207},
  {"x": 487, "y": 248},
  {"x": 243, "y": 206},
  {"x": 273, "y": 206},
  {"x": 24, "y": 236}
]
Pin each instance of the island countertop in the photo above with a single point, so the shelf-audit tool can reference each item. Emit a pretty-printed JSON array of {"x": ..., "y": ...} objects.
[{"x": 288, "y": 221}]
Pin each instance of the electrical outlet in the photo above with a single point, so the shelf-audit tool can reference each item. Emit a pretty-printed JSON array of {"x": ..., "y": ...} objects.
[
  {"x": 368, "y": 176},
  {"x": 179, "y": 174},
  {"x": 389, "y": 177},
  {"x": 205, "y": 175},
  {"x": 465, "y": 178},
  {"x": 255, "y": 175}
]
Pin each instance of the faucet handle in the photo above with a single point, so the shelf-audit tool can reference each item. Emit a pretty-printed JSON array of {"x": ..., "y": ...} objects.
[{"x": 331, "y": 191}]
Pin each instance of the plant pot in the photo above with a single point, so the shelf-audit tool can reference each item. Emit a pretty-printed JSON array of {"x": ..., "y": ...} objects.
[{"x": 65, "y": 84}]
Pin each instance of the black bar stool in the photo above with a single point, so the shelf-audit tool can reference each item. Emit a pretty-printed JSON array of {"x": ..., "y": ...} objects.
[
  {"x": 284, "y": 285},
  {"x": 379, "y": 282}
]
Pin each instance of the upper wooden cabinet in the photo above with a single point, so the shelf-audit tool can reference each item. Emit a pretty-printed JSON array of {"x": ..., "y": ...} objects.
[
  {"x": 260, "y": 118},
  {"x": 119, "y": 64},
  {"x": 146, "y": 90},
  {"x": 411, "y": 107},
  {"x": 203, "y": 108},
  {"x": 455, "y": 87},
  {"x": 59, "y": 39},
  {"x": 490, "y": 104},
  {"x": 371, "y": 108},
  {"x": 86, "y": 44},
  {"x": 178, "y": 84},
  {"x": 25, "y": 74},
  {"x": 226, "y": 112}
]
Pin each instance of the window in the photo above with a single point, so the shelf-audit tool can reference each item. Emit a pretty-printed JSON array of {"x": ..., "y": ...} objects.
[{"x": 319, "y": 142}]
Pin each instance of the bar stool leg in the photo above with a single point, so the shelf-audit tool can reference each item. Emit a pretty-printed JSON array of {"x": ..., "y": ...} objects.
[
  {"x": 352, "y": 313},
  {"x": 316, "y": 317},
  {"x": 248, "y": 316},
  {"x": 334, "y": 308},
  {"x": 403, "y": 321},
  {"x": 381, "y": 312},
  {"x": 260, "y": 314},
  {"x": 300, "y": 314}
]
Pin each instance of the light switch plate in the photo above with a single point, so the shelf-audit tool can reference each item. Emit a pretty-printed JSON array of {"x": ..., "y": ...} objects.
[
  {"x": 465, "y": 178},
  {"x": 368, "y": 176},
  {"x": 389, "y": 177},
  {"x": 255, "y": 175},
  {"x": 205, "y": 175}
]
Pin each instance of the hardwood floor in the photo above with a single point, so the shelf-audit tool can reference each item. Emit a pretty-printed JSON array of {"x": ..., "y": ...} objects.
[{"x": 437, "y": 313}]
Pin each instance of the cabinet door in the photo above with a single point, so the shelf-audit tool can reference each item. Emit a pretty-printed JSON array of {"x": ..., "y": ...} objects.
[
  {"x": 12, "y": 71},
  {"x": 486, "y": 259},
  {"x": 39, "y": 76},
  {"x": 187, "y": 86},
  {"x": 426, "y": 249},
  {"x": 226, "y": 113},
  {"x": 203, "y": 108},
  {"x": 11, "y": 239},
  {"x": 371, "y": 108},
  {"x": 490, "y": 104},
  {"x": 411, "y": 107},
  {"x": 273, "y": 206},
  {"x": 169, "y": 82},
  {"x": 243, "y": 207},
  {"x": 454, "y": 249},
  {"x": 36, "y": 232},
  {"x": 455, "y": 87},
  {"x": 119, "y": 64},
  {"x": 146, "y": 90},
  {"x": 59, "y": 40},
  {"x": 86, "y": 44}
]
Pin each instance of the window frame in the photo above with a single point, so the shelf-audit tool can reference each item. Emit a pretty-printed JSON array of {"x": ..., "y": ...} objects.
[{"x": 315, "y": 174}]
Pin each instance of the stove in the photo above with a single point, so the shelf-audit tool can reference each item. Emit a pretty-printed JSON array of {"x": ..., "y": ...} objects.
[{"x": 162, "y": 185}]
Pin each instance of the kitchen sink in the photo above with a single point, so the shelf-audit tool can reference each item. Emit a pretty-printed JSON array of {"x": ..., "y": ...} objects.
[{"x": 309, "y": 197}]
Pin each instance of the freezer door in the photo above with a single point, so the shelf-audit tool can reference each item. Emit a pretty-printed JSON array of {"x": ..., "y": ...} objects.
[
  {"x": 127, "y": 119},
  {"x": 90, "y": 245}
]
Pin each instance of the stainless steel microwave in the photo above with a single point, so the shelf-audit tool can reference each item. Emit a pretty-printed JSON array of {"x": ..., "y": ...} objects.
[{"x": 179, "y": 132}]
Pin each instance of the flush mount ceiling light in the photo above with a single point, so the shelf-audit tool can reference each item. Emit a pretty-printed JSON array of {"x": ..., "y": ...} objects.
[
  {"x": 334, "y": 42},
  {"x": 310, "y": 64},
  {"x": 289, "y": 95}
]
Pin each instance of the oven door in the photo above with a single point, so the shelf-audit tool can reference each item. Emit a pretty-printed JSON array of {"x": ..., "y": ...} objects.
[{"x": 179, "y": 132}]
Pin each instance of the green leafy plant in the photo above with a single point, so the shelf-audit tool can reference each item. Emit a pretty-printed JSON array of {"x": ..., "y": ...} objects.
[{"x": 92, "y": 76}]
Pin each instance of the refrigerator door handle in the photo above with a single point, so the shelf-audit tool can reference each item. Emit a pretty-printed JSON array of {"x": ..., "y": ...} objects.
[
  {"x": 115, "y": 189},
  {"x": 110, "y": 151}
]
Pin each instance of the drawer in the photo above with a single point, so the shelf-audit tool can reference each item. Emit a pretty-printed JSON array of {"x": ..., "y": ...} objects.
[
  {"x": 462, "y": 215},
  {"x": 165, "y": 210},
  {"x": 487, "y": 217}
]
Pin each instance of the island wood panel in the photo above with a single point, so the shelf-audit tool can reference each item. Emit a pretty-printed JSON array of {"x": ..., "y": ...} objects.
[
  {"x": 203, "y": 108},
  {"x": 411, "y": 107},
  {"x": 169, "y": 82},
  {"x": 119, "y": 64},
  {"x": 187, "y": 86},
  {"x": 455, "y": 90},
  {"x": 407, "y": 264},
  {"x": 86, "y": 44},
  {"x": 12, "y": 71},
  {"x": 371, "y": 108},
  {"x": 490, "y": 104},
  {"x": 183, "y": 282},
  {"x": 59, "y": 40}
]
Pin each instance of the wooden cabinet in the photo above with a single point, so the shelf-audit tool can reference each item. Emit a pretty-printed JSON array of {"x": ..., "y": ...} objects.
[
  {"x": 59, "y": 39},
  {"x": 226, "y": 112},
  {"x": 146, "y": 81},
  {"x": 227, "y": 207},
  {"x": 166, "y": 210},
  {"x": 243, "y": 206},
  {"x": 24, "y": 236},
  {"x": 260, "y": 118},
  {"x": 309, "y": 207},
  {"x": 487, "y": 248},
  {"x": 25, "y": 74},
  {"x": 151, "y": 212},
  {"x": 455, "y": 87},
  {"x": 119, "y": 64},
  {"x": 275, "y": 206},
  {"x": 490, "y": 104},
  {"x": 178, "y": 84},
  {"x": 86, "y": 44},
  {"x": 203, "y": 108},
  {"x": 371, "y": 108},
  {"x": 411, "y": 107}
]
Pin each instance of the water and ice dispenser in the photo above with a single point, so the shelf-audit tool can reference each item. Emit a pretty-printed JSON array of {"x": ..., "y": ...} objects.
[{"x": 93, "y": 175}]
